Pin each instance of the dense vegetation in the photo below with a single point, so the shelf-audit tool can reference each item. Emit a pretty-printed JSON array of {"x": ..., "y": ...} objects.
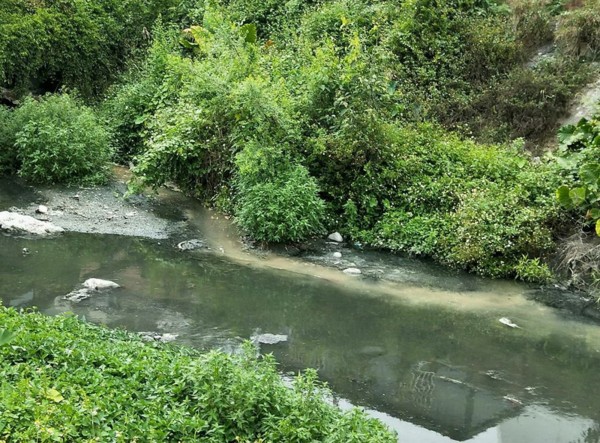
[
  {"x": 55, "y": 139},
  {"x": 64, "y": 380},
  {"x": 404, "y": 126}
]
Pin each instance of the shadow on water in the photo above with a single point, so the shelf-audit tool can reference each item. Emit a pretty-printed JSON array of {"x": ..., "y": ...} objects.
[{"x": 438, "y": 370}]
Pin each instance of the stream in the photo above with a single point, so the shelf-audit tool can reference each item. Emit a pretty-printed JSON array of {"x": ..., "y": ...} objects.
[{"x": 422, "y": 349}]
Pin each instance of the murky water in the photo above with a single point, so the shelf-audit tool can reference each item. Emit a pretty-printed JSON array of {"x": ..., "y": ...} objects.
[{"x": 428, "y": 358}]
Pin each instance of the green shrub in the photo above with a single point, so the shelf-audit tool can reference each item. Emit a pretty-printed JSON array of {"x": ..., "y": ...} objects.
[
  {"x": 64, "y": 380},
  {"x": 526, "y": 103},
  {"x": 45, "y": 45},
  {"x": 578, "y": 33},
  {"x": 579, "y": 152},
  {"x": 481, "y": 208},
  {"x": 59, "y": 140},
  {"x": 495, "y": 226},
  {"x": 534, "y": 22},
  {"x": 277, "y": 200},
  {"x": 8, "y": 153},
  {"x": 131, "y": 103}
]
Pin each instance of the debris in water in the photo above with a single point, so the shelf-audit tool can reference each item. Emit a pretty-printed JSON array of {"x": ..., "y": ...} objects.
[
  {"x": 190, "y": 245},
  {"x": 90, "y": 286},
  {"x": 508, "y": 322},
  {"x": 513, "y": 400},
  {"x": 78, "y": 295},
  {"x": 41, "y": 209}
]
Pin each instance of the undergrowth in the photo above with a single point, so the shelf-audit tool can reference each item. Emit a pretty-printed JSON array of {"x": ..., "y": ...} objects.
[{"x": 65, "y": 380}]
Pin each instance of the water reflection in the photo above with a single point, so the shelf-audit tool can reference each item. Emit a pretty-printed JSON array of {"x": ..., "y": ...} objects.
[{"x": 434, "y": 373}]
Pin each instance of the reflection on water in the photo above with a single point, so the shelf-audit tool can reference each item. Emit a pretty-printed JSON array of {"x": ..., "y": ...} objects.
[{"x": 436, "y": 372}]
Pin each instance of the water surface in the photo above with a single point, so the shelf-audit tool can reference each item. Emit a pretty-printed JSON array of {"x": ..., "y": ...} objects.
[{"x": 427, "y": 355}]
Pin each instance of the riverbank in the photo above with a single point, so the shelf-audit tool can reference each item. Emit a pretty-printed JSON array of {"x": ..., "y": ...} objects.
[{"x": 171, "y": 218}]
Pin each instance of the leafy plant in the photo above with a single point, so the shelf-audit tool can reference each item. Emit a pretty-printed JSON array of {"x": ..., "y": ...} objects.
[
  {"x": 6, "y": 336},
  {"x": 83, "y": 45},
  {"x": 578, "y": 33},
  {"x": 284, "y": 207},
  {"x": 579, "y": 148},
  {"x": 8, "y": 153},
  {"x": 65, "y": 380},
  {"x": 59, "y": 140}
]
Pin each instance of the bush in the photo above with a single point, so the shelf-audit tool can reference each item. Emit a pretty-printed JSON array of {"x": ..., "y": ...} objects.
[
  {"x": 64, "y": 380},
  {"x": 277, "y": 200},
  {"x": 83, "y": 45},
  {"x": 578, "y": 33},
  {"x": 59, "y": 140},
  {"x": 579, "y": 151},
  {"x": 497, "y": 229},
  {"x": 8, "y": 153},
  {"x": 526, "y": 103},
  {"x": 474, "y": 207}
]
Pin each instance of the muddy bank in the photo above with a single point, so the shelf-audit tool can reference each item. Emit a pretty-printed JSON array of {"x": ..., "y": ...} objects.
[
  {"x": 98, "y": 210},
  {"x": 392, "y": 268}
]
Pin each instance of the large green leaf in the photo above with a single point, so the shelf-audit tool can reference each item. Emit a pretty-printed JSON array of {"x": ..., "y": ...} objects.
[
  {"x": 598, "y": 228},
  {"x": 54, "y": 395},
  {"x": 249, "y": 33},
  {"x": 590, "y": 175},
  {"x": 563, "y": 197},
  {"x": 577, "y": 195},
  {"x": 6, "y": 336}
]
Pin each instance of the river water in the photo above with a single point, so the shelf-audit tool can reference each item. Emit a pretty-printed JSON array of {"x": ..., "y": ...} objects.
[{"x": 425, "y": 353}]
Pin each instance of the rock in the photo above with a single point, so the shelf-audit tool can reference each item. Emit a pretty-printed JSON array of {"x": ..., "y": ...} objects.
[
  {"x": 190, "y": 245},
  {"x": 337, "y": 255},
  {"x": 336, "y": 237},
  {"x": 269, "y": 339},
  {"x": 78, "y": 295},
  {"x": 352, "y": 271},
  {"x": 90, "y": 286},
  {"x": 98, "y": 284},
  {"x": 508, "y": 322},
  {"x": 13, "y": 222},
  {"x": 41, "y": 209}
]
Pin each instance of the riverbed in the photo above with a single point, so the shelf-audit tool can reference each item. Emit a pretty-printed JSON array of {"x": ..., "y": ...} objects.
[{"x": 419, "y": 346}]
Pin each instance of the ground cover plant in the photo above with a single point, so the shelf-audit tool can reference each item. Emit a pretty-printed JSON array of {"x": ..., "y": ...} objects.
[{"x": 65, "y": 380}]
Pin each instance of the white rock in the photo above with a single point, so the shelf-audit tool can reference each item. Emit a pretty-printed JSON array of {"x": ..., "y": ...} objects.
[
  {"x": 336, "y": 236},
  {"x": 41, "y": 209},
  {"x": 98, "y": 284},
  {"x": 11, "y": 221},
  {"x": 337, "y": 255},
  {"x": 352, "y": 271}
]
